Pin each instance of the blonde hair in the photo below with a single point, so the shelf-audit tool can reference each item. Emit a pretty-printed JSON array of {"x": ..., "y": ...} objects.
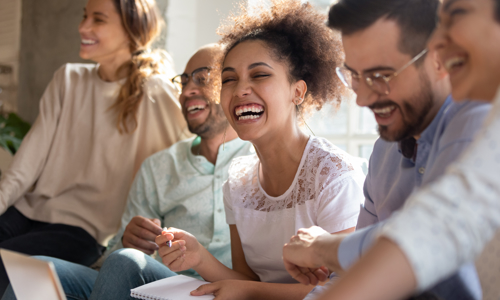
[{"x": 143, "y": 23}]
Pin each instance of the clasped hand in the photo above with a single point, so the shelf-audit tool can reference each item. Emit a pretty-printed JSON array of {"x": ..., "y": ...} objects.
[{"x": 301, "y": 257}]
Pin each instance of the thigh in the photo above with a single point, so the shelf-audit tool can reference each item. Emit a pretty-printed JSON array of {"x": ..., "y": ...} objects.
[
  {"x": 13, "y": 224},
  {"x": 66, "y": 242},
  {"x": 126, "y": 269}
]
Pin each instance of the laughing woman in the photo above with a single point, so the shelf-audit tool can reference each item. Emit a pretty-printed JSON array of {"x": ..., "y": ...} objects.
[
  {"x": 276, "y": 65},
  {"x": 67, "y": 187}
]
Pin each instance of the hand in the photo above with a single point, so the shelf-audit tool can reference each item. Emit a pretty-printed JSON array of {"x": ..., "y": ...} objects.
[
  {"x": 304, "y": 256},
  {"x": 140, "y": 234},
  {"x": 225, "y": 290},
  {"x": 186, "y": 252}
]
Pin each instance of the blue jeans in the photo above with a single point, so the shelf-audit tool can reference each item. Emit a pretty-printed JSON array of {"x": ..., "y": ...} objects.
[
  {"x": 123, "y": 270},
  {"x": 20, "y": 234}
]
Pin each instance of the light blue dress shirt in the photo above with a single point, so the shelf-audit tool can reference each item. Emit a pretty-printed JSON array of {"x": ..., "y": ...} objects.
[
  {"x": 184, "y": 191},
  {"x": 392, "y": 177}
]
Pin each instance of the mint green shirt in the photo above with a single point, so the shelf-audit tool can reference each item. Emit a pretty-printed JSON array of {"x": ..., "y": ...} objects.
[{"x": 184, "y": 191}]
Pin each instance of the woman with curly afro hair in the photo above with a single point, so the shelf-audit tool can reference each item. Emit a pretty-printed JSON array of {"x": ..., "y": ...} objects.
[{"x": 275, "y": 66}]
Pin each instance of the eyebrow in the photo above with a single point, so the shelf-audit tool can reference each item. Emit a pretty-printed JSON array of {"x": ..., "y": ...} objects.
[
  {"x": 446, "y": 7},
  {"x": 100, "y": 14},
  {"x": 371, "y": 70},
  {"x": 252, "y": 66}
]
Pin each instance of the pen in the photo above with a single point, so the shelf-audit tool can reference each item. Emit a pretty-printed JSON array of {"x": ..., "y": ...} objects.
[{"x": 169, "y": 243}]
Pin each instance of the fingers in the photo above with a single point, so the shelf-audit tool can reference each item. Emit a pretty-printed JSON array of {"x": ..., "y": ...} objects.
[
  {"x": 205, "y": 289},
  {"x": 131, "y": 241},
  {"x": 295, "y": 272}
]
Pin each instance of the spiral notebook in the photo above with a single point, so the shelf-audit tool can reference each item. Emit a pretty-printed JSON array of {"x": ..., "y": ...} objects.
[{"x": 173, "y": 288}]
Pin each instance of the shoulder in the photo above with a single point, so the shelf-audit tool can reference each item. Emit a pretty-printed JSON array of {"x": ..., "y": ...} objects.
[
  {"x": 382, "y": 152},
  {"x": 159, "y": 85},
  {"x": 76, "y": 71},
  {"x": 325, "y": 158},
  {"x": 462, "y": 121},
  {"x": 162, "y": 161},
  {"x": 243, "y": 170}
]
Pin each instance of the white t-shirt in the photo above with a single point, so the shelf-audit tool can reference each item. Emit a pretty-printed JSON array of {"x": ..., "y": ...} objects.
[{"x": 326, "y": 192}]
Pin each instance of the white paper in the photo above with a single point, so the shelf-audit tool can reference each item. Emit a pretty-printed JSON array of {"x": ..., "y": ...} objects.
[{"x": 173, "y": 288}]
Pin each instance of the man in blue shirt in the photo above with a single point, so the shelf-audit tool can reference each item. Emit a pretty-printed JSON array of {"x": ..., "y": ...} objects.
[
  {"x": 178, "y": 187},
  {"x": 422, "y": 131}
]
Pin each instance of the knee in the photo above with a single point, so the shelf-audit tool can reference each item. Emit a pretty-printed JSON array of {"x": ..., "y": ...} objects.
[{"x": 126, "y": 260}]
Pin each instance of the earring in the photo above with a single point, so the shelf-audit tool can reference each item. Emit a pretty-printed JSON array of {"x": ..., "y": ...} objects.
[{"x": 302, "y": 116}]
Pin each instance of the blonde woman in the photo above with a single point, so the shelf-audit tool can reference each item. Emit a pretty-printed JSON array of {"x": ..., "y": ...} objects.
[{"x": 66, "y": 189}]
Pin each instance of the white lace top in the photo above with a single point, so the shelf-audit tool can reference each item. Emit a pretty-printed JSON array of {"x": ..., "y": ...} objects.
[{"x": 326, "y": 191}]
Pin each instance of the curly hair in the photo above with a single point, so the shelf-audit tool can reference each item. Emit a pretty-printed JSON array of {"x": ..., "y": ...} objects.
[{"x": 297, "y": 34}]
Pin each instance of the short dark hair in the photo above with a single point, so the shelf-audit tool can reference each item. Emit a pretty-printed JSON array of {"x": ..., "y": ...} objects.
[{"x": 417, "y": 19}]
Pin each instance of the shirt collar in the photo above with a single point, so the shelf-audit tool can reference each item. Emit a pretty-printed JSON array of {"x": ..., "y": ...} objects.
[{"x": 228, "y": 149}]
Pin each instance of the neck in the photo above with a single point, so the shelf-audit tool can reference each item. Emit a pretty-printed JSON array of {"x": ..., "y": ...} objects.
[
  {"x": 209, "y": 147},
  {"x": 439, "y": 99},
  {"x": 108, "y": 68},
  {"x": 280, "y": 157}
]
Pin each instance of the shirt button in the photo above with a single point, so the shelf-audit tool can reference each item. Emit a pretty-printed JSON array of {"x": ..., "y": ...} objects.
[
  {"x": 217, "y": 176},
  {"x": 219, "y": 210},
  {"x": 421, "y": 170},
  {"x": 217, "y": 240}
]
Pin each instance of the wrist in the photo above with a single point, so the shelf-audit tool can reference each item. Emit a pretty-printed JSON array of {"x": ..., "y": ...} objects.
[{"x": 326, "y": 251}]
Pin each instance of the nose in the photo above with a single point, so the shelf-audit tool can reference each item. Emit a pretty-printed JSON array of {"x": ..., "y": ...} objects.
[
  {"x": 242, "y": 89},
  {"x": 365, "y": 96},
  {"x": 84, "y": 26},
  {"x": 190, "y": 89}
]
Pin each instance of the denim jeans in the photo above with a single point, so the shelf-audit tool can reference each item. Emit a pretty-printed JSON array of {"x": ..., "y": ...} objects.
[
  {"x": 20, "y": 234},
  {"x": 122, "y": 271}
]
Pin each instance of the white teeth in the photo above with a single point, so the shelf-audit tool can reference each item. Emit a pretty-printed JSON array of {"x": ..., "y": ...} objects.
[
  {"x": 193, "y": 109},
  {"x": 249, "y": 117},
  {"x": 88, "y": 42},
  {"x": 384, "y": 110},
  {"x": 453, "y": 62},
  {"x": 240, "y": 110}
]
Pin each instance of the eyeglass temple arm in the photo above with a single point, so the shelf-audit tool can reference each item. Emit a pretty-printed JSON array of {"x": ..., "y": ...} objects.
[{"x": 410, "y": 62}]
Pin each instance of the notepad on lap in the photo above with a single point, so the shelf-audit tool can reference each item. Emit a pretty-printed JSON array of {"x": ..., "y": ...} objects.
[{"x": 173, "y": 288}]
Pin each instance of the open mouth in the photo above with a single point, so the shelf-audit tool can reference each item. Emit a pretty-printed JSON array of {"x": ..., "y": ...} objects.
[
  {"x": 248, "y": 112},
  {"x": 454, "y": 63},
  {"x": 384, "y": 112},
  {"x": 192, "y": 109},
  {"x": 88, "y": 42}
]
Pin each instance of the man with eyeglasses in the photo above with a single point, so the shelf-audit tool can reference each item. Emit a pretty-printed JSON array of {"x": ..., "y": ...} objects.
[
  {"x": 178, "y": 187},
  {"x": 421, "y": 130}
]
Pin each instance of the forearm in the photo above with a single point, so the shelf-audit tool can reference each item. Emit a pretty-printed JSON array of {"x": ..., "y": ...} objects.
[
  {"x": 383, "y": 273},
  {"x": 325, "y": 252},
  {"x": 276, "y": 291},
  {"x": 213, "y": 270}
]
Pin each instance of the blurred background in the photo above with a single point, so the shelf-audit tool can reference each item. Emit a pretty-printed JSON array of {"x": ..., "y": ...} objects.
[{"x": 37, "y": 37}]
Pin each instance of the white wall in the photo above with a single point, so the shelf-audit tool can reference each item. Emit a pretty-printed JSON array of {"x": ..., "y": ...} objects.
[{"x": 192, "y": 24}]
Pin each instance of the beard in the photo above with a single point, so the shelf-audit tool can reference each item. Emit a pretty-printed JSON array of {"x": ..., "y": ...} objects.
[
  {"x": 414, "y": 111},
  {"x": 215, "y": 123}
]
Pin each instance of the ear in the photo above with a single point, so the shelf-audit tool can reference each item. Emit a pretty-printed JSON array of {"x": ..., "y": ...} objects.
[
  {"x": 300, "y": 89},
  {"x": 438, "y": 65}
]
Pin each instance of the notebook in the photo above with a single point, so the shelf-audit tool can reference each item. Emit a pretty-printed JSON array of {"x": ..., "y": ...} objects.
[
  {"x": 173, "y": 288},
  {"x": 32, "y": 278}
]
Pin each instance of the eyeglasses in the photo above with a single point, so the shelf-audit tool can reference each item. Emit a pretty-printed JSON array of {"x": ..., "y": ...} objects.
[
  {"x": 199, "y": 76},
  {"x": 376, "y": 81}
]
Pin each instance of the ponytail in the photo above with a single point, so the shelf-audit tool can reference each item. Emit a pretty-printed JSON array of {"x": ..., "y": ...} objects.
[{"x": 143, "y": 23}]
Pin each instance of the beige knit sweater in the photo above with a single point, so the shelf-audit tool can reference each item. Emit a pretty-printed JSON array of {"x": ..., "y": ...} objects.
[{"x": 74, "y": 167}]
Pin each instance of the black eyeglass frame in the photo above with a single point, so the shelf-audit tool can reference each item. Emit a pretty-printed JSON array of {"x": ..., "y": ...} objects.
[{"x": 178, "y": 78}]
